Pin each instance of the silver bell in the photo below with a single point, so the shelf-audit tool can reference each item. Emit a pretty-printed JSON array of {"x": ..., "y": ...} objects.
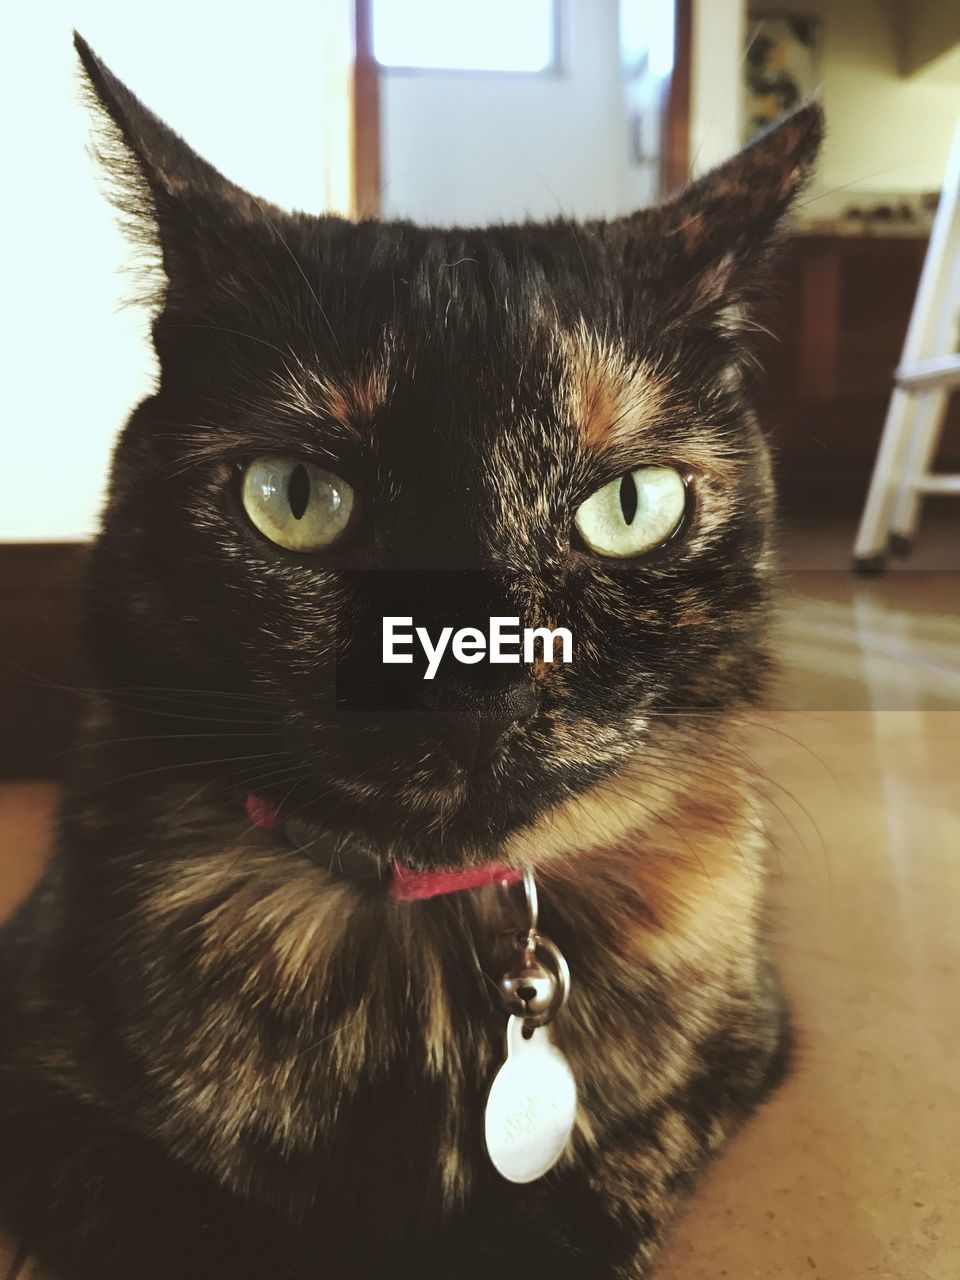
[{"x": 529, "y": 989}]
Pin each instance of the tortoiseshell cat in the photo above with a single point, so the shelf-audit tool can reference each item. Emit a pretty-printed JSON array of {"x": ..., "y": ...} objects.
[{"x": 221, "y": 1059}]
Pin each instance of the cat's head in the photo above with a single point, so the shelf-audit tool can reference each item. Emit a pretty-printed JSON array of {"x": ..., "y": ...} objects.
[{"x": 358, "y": 420}]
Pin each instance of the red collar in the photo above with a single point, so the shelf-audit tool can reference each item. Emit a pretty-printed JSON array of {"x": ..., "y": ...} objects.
[{"x": 407, "y": 884}]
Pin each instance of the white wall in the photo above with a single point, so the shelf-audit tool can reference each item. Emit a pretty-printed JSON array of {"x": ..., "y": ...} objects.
[
  {"x": 486, "y": 148},
  {"x": 477, "y": 148},
  {"x": 716, "y": 68},
  {"x": 886, "y": 131},
  {"x": 247, "y": 84}
]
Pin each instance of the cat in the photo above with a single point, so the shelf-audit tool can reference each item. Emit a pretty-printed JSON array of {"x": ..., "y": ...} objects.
[{"x": 227, "y": 1048}]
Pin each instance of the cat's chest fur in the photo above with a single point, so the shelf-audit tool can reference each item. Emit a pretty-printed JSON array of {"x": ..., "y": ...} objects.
[{"x": 319, "y": 1046}]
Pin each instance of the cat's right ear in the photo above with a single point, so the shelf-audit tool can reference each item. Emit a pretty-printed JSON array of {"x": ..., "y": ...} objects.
[
  {"x": 709, "y": 249},
  {"x": 174, "y": 204}
]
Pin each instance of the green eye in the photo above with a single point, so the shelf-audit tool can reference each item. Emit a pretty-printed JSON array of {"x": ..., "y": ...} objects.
[
  {"x": 634, "y": 513},
  {"x": 297, "y": 505}
]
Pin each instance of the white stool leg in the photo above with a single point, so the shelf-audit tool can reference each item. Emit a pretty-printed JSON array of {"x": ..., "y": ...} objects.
[
  {"x": 870, "y": 548},
  {"x": 928, "y": 415},
  {"x": 908, "y": 441}
]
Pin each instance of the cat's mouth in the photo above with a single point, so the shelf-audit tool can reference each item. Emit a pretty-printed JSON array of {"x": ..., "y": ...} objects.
[
  {"x": 425, "y": 814},
  {"x": 396, "y": 793}
]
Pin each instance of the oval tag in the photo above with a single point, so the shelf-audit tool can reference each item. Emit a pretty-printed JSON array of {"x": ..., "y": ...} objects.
[{"x": 531, "y": 1106}]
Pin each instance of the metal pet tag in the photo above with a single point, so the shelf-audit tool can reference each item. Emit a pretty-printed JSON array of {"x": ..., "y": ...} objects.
[{"x": 531, "y": 1106}]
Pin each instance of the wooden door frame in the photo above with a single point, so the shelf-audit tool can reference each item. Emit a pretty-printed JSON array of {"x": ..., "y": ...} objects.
[
  {"x": 675, "y": 135},
  {"x": 365, "y": 111}
]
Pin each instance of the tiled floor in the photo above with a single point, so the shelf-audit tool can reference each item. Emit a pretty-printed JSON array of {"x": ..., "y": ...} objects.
[{"x": 853, "y": 1170}]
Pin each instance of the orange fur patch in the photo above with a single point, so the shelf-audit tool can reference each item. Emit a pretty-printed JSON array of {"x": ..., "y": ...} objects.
[
  {"x": 608, "y": 396},
  {"x": 619, "y": 403},
  {"x": 351, "y": 401},
  {"x": 689, "y": 849},
  {"x": 354, "y": 401}
]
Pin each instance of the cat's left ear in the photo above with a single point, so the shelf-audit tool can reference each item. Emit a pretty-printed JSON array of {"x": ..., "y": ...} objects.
[
  {"x": 716, "y": 235},
  {"x": 172, "y": 199}
]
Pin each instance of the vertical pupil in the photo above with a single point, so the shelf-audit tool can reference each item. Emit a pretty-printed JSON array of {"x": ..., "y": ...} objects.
[
  {"x": 628, "y": 497},
  {"x": 298, "y": 490}
]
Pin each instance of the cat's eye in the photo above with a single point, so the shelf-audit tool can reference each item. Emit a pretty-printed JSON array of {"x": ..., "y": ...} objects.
[
  {"x": 297, "y": 505},
  {"x": 635, "y": 513}
]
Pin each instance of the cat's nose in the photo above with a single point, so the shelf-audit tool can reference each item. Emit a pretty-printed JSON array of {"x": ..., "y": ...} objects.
[{"x": 472, "y": 721}]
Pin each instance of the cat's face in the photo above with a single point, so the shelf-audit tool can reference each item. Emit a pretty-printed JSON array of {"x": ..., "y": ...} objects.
[{"x": 461, "y": 395}]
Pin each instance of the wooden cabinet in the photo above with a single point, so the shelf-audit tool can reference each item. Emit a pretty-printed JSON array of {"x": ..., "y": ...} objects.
[{"x": 839, "y": 310}]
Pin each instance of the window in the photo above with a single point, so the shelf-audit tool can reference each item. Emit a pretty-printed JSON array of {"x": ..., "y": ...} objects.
[
  {"x": 455, "y": 35},
  {"x": 647, "y": 37}
]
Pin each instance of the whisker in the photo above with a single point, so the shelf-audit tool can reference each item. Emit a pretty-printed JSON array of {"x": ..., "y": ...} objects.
[
  {"x": 93, "y": 743},
  {"x": 218, "y": 328},
  {"x": 181, "y": 764}
]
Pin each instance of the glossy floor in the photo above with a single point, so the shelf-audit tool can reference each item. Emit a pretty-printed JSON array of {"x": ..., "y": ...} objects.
[{"x": 853, "y": 1170}]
